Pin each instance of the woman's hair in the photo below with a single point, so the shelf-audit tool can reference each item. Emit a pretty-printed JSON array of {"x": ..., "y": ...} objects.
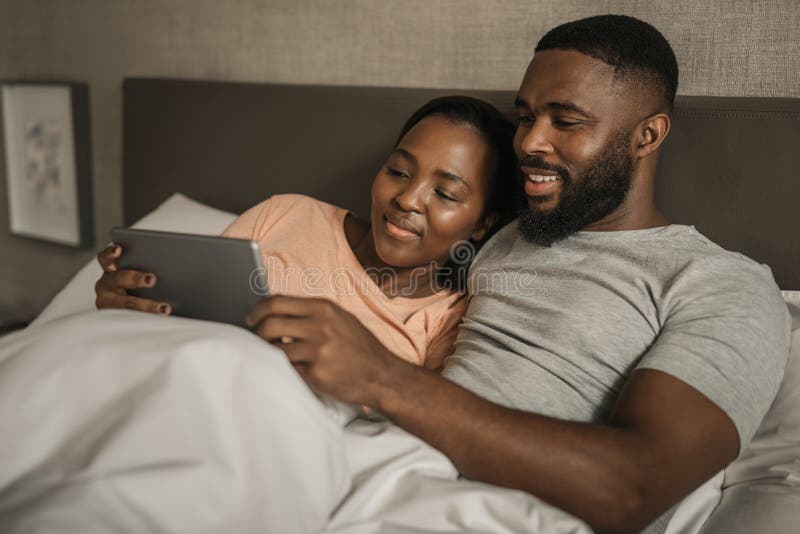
[{"x": 503, "y": 196}]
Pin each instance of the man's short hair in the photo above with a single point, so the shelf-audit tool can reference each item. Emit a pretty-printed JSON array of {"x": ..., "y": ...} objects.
[{"x": 637, "y": 51}]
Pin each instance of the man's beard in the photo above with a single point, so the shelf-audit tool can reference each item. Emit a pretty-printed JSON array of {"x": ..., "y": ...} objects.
[{"x": 598, "y": 192}]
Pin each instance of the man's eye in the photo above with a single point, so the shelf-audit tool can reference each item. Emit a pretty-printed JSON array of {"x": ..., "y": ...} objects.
[
  {"x": 445, "y": 196},
  {"x": 564, "y": 124},
  {"x": 526, "y": 119},
  {"x": 396, "y": 172}
]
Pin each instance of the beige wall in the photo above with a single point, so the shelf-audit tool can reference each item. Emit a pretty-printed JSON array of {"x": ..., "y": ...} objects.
[{"x": 728, "y": 48}]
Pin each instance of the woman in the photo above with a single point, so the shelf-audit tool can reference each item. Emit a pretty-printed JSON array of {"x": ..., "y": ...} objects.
[{"x": 449, "y": 182}]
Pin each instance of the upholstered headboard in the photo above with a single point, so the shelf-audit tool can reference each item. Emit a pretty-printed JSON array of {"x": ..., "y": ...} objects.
[{"x": 729, "y": 166}]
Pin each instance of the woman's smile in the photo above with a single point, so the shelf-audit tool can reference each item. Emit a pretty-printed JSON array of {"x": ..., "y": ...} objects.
[
  {"x": 431, "y": 193},
  {"x": 401, "y": 228}
]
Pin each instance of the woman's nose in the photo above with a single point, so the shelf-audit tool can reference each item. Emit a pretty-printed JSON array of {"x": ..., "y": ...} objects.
[{"x": 412, "y": 196}]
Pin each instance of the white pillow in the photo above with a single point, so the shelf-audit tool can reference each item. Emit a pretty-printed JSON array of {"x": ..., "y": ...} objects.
[
  {"x": 767, "y": 470},
  {"x": 762, "y": 487},
  {"x": 176, "y": 214}
]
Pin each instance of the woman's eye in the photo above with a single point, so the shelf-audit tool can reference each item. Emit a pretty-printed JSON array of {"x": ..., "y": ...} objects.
[
  {"x": 445, "y": 196},
  {"x": 396, "y": 172},
  {"x": 526, "y": 119}
]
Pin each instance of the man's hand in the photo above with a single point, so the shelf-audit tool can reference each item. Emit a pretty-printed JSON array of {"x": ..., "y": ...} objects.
[
  {"x": 663, "y": 439},
  {"x": 333, "y": 352}
]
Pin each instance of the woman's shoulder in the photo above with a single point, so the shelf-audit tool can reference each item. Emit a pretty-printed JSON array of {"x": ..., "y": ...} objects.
[
  {"x": 296, "y": 207},
  {"x": 293, "y": 201},
  {"x": 285, "y": 212}
]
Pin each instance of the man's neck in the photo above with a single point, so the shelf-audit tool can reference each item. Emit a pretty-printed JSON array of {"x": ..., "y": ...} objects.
[
  {"x": 626, "y": 218},
  {"x": 638, "y": 211}
]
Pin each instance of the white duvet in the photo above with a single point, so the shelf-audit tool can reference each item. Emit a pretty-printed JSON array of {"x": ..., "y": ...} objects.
[{"x": 118, "y": 421}]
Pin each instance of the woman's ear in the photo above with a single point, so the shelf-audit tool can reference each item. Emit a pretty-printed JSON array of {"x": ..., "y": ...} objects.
[
  {"x": 484, "y": 226},
  {"x": 649, "y": 135}
]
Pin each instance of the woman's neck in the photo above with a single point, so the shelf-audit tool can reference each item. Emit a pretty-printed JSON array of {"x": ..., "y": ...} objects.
[{"x": 409, "y": 282}]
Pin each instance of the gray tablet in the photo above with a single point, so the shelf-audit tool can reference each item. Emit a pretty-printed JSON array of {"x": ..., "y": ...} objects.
[{"x": 202, "y": 277}]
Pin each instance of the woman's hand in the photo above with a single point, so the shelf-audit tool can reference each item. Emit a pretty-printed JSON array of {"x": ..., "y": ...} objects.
[{"x": 112, "y": 288}]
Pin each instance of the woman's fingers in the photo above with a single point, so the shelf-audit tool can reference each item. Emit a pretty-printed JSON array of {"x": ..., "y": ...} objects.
[
  {"x": 107, "y": 258},
  {"x": 112, "y": 292},
  {"x": 109, "y": 299},
  {"x": 112, "y": 287},
  {"x": 127, "y": 279}
]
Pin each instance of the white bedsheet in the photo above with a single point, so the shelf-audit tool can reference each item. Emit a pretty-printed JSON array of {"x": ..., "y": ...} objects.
[
  {"x": 401, "y": 485},
  {"x": 117, "y": 421}
]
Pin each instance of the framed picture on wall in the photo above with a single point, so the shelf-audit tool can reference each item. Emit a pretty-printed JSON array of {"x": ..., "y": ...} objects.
[{"x": 47, "y": 161}]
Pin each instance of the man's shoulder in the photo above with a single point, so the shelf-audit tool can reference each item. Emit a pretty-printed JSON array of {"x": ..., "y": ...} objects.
[
  {"x": 670, "y": 253},
  {"x": 697, "y": 256},
  {"x": 500, "y": 243},
  {"x": 673, "y": 252}
]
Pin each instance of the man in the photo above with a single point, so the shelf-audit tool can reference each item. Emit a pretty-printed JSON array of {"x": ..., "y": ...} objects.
[{"x": 644, "y": 357}]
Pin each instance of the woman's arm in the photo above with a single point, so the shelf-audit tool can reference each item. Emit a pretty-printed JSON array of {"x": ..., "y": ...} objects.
[
  {"x": 441, "y": 343},
  {"x": 442, "y": 346}
]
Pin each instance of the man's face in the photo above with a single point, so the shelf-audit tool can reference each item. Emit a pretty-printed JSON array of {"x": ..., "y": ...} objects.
[{"x": 573, "y": 144}]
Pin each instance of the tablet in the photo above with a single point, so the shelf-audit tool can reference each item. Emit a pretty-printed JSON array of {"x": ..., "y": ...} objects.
[{"x": 202, "y": 277}]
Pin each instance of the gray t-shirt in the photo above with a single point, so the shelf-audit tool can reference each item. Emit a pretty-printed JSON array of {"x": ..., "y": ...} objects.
[{"x": 558, "y": 330}]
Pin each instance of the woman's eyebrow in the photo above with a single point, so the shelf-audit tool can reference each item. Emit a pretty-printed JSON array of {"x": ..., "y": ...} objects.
[
  {"x": 439, "y": 172},
  {"x": 454, "y": 177},
  {"x": 406, "y": 154}
]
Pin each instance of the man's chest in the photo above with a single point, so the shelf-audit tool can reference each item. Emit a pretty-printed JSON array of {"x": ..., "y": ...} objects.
[{"x": 579, "y": 309}]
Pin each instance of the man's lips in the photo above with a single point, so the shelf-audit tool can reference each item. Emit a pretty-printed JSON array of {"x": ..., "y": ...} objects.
[
  {"x": 534, "y": 172},
  {"x": 401, "y": 227},
  {"x": 539, "y": 182}
]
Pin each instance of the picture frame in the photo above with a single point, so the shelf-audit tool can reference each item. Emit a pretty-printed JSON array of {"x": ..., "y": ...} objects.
[{"x": 48, "y": 162}]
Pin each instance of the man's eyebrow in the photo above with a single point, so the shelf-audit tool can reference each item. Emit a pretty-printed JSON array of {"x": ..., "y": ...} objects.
[
  {"x": 440, "y": 172},
  {"x": 558, "y": 106},
  {"x": 569, "y": 106}
]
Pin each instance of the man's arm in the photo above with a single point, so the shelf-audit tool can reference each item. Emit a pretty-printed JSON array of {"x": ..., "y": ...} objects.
[{"x": 663, "y": 439}]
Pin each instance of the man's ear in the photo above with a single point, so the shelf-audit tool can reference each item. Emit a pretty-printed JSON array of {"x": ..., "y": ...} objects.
[
  {"x": 649, "y": 134},
  {"x": 484, "y": 226}
]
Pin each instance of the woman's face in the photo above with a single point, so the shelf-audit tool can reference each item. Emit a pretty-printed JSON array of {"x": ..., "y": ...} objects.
[{"x": 430, "y": 193}]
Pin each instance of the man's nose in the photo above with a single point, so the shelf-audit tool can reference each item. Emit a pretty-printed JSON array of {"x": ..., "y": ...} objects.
[{"x": 536, "y": 139}]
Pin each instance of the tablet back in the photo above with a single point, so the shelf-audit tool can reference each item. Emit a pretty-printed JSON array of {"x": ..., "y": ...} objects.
[{"x": 202, "y": 277}]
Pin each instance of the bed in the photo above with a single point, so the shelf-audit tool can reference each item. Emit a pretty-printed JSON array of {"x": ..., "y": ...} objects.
[
  {"x": 197, "y": 152},
  {"x": 729, "y": 165}
]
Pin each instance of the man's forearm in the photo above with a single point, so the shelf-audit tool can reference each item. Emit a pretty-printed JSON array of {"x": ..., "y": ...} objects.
[
  {"x": 584, "y": 469},
  {"x": 664, "y": 437}
]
